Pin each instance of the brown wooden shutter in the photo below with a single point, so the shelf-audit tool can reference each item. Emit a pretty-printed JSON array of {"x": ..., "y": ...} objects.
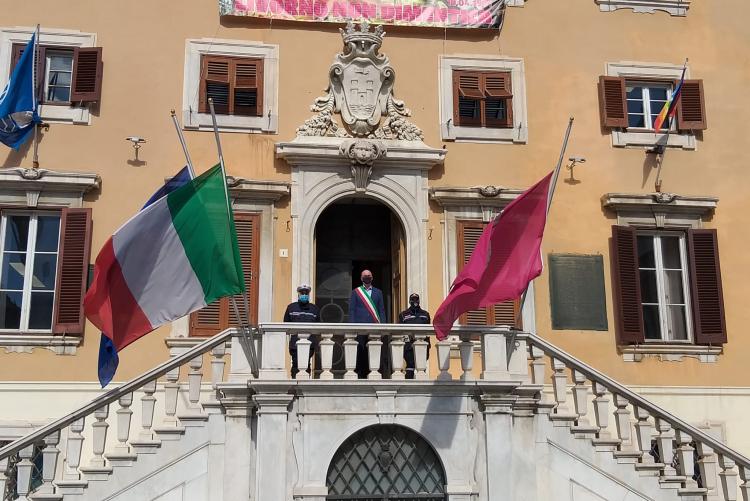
[
  {"x": 215, "y": 72},
  {"x": 468, "y": 233},
  {"x": 498, "y": 85},
  {"x": 247, "y": 90},
  {"x": 705, "y": 281},
  {"x": 219, "y": 315},
  {"x": 627, "y": 285},
  {"x": 72, "y": 271},
  {"x": 612, "y": 102},
  {"x": 40, "y": 66},
  {"x": 467, "y": 89},
  {"x": 86, "y": 86},
  {"x": 691, "y": 106},
  {"x": 15, "y": 56}
]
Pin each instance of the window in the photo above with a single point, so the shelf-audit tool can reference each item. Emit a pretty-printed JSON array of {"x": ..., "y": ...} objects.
[
  {"x": 483, "y": 99},
  {"x": 235, "y": 85},
  {"x": 43, "y": 267},
  {"x": 506, "y": 313},
  {"x": 631, "y": 96},
  {"x": 66, "y": 75},
  {"x": 242, "y": 79},
  {"x": 219, "y": 315},
  {"x": 667, "y": 286},
  {"x": 665, "y": 298}
]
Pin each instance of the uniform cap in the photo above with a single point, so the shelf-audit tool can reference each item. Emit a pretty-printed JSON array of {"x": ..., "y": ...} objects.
[
  {"x": 304, "y": 287},
  {"x": 414, "y": 295}
]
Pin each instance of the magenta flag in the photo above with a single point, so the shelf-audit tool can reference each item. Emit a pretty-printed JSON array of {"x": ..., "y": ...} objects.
[{"x": 506, "y": 258}]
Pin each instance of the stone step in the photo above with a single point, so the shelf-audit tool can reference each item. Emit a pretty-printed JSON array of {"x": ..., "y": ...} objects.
[
  {"x": 627, "y": 457},
  {"x": 72, "y": 487},
  {"x": 121, "y": 459},
  {"x": 193, "y": 419},
  {"x": 169, "y": 432},
  {"x": 692, "y": 494},
  {"x": 671, "y": 481},
  {"x": 649, "y": 469},
  {"x": 145, "y": 446},
  {"x": 96, "y": 473}
]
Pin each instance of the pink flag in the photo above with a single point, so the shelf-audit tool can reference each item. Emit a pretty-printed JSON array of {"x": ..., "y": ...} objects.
[{"x": 505, "y": 259}]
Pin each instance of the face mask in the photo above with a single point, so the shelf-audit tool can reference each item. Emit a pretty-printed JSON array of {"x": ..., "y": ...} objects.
[
  {"x": 414, "y": 304},
  {"x": 367, "y": 280},
  {"x": 304, "y": 298}
]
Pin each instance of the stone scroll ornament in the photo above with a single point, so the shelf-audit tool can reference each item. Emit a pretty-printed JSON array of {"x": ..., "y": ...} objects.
[{"x": 360, "y": 90}]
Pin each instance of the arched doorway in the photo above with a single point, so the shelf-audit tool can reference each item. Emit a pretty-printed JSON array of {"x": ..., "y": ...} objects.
[
  {"x": 353, "y": 234},
  {"x": 386, "y": 463}
]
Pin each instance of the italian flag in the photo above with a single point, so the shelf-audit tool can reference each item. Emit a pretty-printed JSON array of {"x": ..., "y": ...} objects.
[{"x": 174, "y": 257}]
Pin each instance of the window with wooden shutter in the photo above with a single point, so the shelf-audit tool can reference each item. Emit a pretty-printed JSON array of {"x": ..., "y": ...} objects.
[
  {"x": 234, "y": 83},
  {"x": 612, "y": 102},
  {"x": 707, "y": 294},
  {"x": 220, "y": 315},
  {"x": 65, "y": 75},
  {"x": 72, "y": 271},
  {"x": 506, "y": 313},
  {"x": 626, "y": 285},
  {"x": 691, "y": 106},
  {"x": 482, "y": 99}
]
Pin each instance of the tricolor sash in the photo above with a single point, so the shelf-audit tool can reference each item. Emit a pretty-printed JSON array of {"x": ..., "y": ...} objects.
[{"x": 369, "y": 305}]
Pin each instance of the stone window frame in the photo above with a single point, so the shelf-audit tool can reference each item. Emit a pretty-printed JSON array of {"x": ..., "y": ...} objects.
[
  {"x": 518, "y": 134},
  {"x": 633, "y": 70},
  {"x": 35, "y": 189},
  {"x": 269, "y": 53},
  {"x": 663, "y": 211},
  {"x": 673, "y": 7},
  {"x": 77, "y": 115}
]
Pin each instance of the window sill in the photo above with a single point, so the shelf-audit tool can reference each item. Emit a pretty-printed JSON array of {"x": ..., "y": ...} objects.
[
  {"x": 517, "y": 135},
  {"x": 673, "y": 7},
  {"x": 230, "y": 123},
  {"x": 675, "y": 352},
  {"x": 624, "y": 139},
  {"x": 26, "y": 343}
]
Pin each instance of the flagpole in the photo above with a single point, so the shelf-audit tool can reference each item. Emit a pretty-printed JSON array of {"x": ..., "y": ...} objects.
[
  {"x": 246, "y": 340},
  {"x": 183, "y": 144},
  {"x": 553, "y": 185},
  {"x": 35, "y": 158},
  {"x": 661, "y": 149}
]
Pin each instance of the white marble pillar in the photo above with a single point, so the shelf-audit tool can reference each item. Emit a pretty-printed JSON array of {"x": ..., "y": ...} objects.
[
  {"x": 270, "y": 471},
  {"x": 498, "y": 418}
]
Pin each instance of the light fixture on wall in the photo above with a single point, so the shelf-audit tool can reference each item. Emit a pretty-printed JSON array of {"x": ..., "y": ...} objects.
[
  {"x": 137, "y": 142},
  {"x": 573, "y": 161}
]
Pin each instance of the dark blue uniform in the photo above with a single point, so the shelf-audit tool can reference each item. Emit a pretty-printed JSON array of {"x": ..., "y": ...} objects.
[
  {"x": 301, "y": 312},
  {"x": 415, "y": 316}
]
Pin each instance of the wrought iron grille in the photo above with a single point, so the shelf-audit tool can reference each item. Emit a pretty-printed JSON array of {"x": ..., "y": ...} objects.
[
  {"x": 11, "y": 491},
  {"x": 386, "y": 463}
]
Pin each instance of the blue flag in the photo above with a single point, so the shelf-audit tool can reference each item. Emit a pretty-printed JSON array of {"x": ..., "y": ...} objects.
[
  {"x": 108, "y": 357},
  {"x": 18, "y": 106}
]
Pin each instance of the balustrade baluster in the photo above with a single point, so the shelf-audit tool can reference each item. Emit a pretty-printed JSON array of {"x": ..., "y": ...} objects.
[
  {"x": 97, "y": 468},
  {"x": 538, "y": 370},
  {"x": 643, "y": 432},
  {"x": 303, "y": 355},
  {"x": 326, "y": 356},
  {"x": 397, "y": 356},
  {"x": 627, "y": 451},
  {"x": 707, "y": 466},
  {"x": 374, "y": 347},
  {"x": 171, "y": 429},
  {"x": 466, "y": 349},
  {"x": 218, "y": 354},
  {"x": 194, "y": 415},
  {"x": 562, "y": 415},
  {"x": 728, "y": 476},
  {"x": 4, "y": 475},
  {"x": 24, "y": 469},
  {"x": 121, "y": 455},
  {"x": 604, "y": 439},
  {"x": 580, "y": 402},
  {"x": 71, "y": 482},
  {"x": 744, "y": 486},
  {"x": 350, "y": 355},
  {"x": 50, "y": 454},
  {"x": 686, "y": 459},
  {"x": 665, "y": 441},
  {"x": 146, "y": 443},
  {"x": 444, "y": 360},
  {"x": 420, "y": 356}
]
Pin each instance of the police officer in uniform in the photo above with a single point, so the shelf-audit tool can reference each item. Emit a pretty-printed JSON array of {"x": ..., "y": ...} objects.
[
  {"x": 302, "y": 310},
  {"x": 413, "y": 315}
]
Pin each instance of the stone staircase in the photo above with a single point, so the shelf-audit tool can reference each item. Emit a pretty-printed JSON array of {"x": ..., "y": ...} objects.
[{"x": 580, "y": 420}]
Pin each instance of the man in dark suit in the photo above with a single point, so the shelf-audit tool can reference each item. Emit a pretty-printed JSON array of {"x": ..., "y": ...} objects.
[{"x": 365, "y": 307}]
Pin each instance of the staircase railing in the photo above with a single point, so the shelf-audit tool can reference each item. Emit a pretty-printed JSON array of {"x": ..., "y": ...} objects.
[{"x": 663, "y": 444}]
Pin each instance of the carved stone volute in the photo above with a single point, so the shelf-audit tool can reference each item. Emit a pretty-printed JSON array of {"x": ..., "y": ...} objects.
[{"x": 362, "y": 154}]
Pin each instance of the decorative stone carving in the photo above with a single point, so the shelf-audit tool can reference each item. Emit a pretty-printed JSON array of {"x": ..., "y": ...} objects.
[
  {"x": 33, "y": 174},
  {"x": 489, "y": 190},
  {"x": 664, "y": 198},
  {"x": 362, "y": 153},
  {"x": 360, "y": 89}
]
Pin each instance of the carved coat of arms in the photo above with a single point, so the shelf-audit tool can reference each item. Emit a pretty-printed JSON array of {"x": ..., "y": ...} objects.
[{"x": 361, "y": 91}]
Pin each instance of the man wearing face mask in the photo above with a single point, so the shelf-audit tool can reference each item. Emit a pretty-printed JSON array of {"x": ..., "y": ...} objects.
[
  {"x": 365, "y": 307},
  {"x": 416, "y": 316},
  {"x": 302, "y": 310}
]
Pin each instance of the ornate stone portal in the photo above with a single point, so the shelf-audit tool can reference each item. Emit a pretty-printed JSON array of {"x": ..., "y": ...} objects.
[{"x": 361, "y": 90}]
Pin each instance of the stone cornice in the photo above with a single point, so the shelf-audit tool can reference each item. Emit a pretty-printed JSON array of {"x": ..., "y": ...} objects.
[
  {"x": 251, "y": 189},
  {"x": 669, "y": 203},
  {"x": 325, "y": 152},
  {"x": 44, "y": 180},
  {"x": 484, "y": 196}
]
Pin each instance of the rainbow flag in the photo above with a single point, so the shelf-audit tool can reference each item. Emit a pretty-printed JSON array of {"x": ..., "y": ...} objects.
[{"x": 670, "y": 107}]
